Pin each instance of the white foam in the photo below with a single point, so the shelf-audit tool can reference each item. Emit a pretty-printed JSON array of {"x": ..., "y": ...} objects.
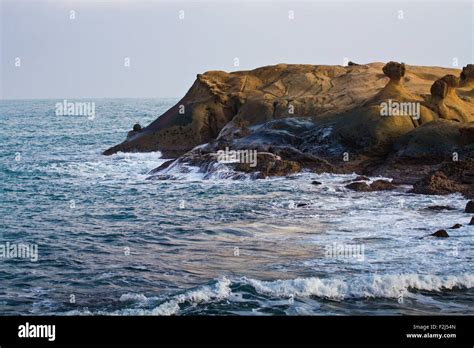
[
  {"x": 119, "y": 166},
  {"x": 385, "y": 286},
  {"x": 218, "y": 291},
  {"x": 215, "y": 171},
  {"x": 133, "y": 297}
]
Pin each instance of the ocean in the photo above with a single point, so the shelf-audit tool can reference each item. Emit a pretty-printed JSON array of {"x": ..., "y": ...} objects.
[{"x": 111, "y": 242}]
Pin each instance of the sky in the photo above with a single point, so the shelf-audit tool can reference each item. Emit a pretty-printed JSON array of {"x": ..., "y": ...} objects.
[{"x": 145, "y": 49}]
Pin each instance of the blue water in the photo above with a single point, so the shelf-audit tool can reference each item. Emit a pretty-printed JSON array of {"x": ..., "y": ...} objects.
[{"x": 112, "y": 242}]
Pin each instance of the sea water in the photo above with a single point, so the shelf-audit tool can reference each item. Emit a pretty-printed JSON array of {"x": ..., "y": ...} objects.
[{"x": 109, "y": 241}]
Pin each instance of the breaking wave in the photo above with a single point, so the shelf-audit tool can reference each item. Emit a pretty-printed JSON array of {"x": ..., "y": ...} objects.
[{"x": 239, "y": 290}]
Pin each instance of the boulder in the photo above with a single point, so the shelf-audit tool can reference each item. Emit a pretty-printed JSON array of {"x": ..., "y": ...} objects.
[
  {"x": 137, "y": 127},
  {"x": 469, "y": 207},
  {"x": 382, "y": 185},
  {"x": 435, "y": 184},
  {"x": 361, "y": 178},
  {"x": 393, "y": 70},
  {"x": 359, "y": 186},
  {"x": 440, "y": 233}
]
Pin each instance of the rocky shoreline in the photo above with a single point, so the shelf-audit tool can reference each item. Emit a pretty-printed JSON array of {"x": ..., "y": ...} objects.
[{"x": 325, "y": 119}]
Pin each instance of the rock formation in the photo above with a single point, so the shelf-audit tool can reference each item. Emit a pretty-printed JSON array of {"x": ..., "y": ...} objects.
[
  {"x": 252, "y": 97},
  {"x": 325, "y": 119},
  {"x": 469, "y": 207},
  {"x": 467, "y": 75}
]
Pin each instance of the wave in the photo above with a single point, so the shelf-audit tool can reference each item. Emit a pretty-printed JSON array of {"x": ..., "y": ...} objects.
[
  {"x": 374, "y": 286},
  {"x": 212, "y": 171},
  {"x": 119, "y": 166},
  {"x": 208, "y": 293},
  {"x": 339, "y": 289}
]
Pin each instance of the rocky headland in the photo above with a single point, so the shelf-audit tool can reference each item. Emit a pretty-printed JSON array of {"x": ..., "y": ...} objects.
[{"x": 414, "y": 124}]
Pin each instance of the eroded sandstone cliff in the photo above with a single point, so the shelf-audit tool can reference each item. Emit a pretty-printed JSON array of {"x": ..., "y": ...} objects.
[{"x": 323, "y": 118}]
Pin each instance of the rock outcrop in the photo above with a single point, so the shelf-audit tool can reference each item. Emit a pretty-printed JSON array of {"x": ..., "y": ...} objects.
[
  {"x": 394, "y": 120},
  {"x": 451, "y": 177},
  {"x": 377, "y": 185},
  {"x": 469, "y": 207},
  {"x": 254, "y": 97},
  {"x": 467, "y": 75}
]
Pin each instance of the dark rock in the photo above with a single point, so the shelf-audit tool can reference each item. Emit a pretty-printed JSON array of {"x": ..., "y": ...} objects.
[
  {"x": 456, "y": 226},
  {"x": 316, "y": 182},
  {"x": 432, "y": 142},
  {"x": 467, "y": 72},
  {"x": 466, "y": 135},
  {"x": 435, "y": 184},
  {"x": 162, "y": 177},
  {"x": 440, "y": 207},
  {"x": 299, "y": 205},
  {"x": 453, "y": 176},
  {"x": 377, "y": 185},
  {"x": 394, "y": 70},
  {"x": 440, "y": 233},
  {"x": 269, "y": 164},
  {"x": 361, "y": 178},
  {"x": 162, "y": 166},
  {"x": 382, "y": 185},
  {"x": 439, "y": 89},
  {"x": 352, "y": 64},
  {"x": 472, "y": 221},
  {"x": 469, "y": 207},
  {"x": 137, "y": 127},
  {"x": 359, "y": 186}
]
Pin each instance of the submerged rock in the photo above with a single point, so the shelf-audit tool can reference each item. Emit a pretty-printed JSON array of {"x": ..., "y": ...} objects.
[
  {"x": 382, "y": 185},
  {"x": 359, "y": 187},
  {"x": 455, "y": 226},
  {"x": 439, "y": 207},
  {"x": 377, "y": 185},
  {"x": 440, "y": 233}
]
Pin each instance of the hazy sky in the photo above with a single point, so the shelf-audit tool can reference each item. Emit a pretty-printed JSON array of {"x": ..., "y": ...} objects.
[{"x": 85, "y": 56}]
